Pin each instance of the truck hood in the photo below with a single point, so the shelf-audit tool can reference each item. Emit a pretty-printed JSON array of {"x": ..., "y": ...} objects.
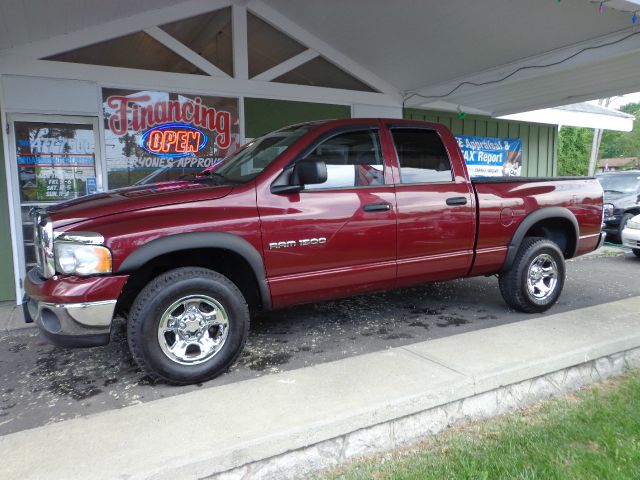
[
  {"x": 133, "y": 198},
  {"x": 621, "y": 200}
]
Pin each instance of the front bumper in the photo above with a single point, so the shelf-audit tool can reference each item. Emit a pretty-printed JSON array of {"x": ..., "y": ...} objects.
[
  {"x": 72, "y": 324},
  {"x": 631, "y": 238},
  {"x": 72, "y": 311}
]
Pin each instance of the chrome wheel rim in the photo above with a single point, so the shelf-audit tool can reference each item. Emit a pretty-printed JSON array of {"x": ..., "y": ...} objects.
[
  {"x": 542, "y": 277},
  {"x": 193, "y": 329}
]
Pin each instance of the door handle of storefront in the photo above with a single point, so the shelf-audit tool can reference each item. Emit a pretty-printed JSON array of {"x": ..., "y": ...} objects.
[
  {"x": 457, "y": 201},
  {"x": 377, "y": 207}
]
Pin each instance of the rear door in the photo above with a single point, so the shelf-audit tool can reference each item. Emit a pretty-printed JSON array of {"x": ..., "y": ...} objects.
[
  {"x": 335, "y": 238},
  {"x": 435, "y": 206}
]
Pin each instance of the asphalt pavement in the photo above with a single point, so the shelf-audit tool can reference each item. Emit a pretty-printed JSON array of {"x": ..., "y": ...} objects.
[{"x": 42, "y": 384}]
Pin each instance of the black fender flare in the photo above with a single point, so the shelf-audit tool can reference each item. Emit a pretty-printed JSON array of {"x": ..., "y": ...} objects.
[
  {"x": 530, "y": 220},
  {"x": 193, "y": 240}
]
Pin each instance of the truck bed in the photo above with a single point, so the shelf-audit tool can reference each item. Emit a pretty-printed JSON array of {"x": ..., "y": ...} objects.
[{"x": 503, "y": 203}]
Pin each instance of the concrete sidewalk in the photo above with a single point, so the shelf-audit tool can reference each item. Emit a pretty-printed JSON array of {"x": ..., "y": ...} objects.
[
  {"x": 11, "y": 318},
  {"x": 285, "y": 425}
]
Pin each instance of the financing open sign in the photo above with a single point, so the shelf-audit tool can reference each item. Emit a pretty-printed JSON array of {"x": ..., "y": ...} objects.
[
  {"x": 173, "y": 140},
  {"x": 154, "y": 137},
  {"x": 490, "y": 156}
]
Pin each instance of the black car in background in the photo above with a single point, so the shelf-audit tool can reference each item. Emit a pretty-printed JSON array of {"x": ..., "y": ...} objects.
[{"x": 621, "y": 200}]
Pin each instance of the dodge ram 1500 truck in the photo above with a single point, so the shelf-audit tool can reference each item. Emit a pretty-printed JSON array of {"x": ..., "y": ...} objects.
[{"x": 310, "y": 212}]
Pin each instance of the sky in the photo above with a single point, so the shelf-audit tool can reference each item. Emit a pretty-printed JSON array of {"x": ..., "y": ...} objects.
[{"x": 621, "y": 100}]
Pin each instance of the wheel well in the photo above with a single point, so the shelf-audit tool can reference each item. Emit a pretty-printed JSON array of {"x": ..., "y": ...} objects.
[
  {"x": 559, "y": 230},
  {"x": 633, "y": 211},
  {"x": 226, "y": 262}
]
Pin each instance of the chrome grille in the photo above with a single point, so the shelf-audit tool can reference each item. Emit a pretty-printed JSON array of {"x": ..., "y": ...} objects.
[{"x": 43, "y": 243}]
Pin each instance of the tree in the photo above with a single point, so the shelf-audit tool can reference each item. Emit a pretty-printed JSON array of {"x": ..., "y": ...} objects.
[
  {"x": 573, "y": 150},
  {"x": 623, "y": 144}
]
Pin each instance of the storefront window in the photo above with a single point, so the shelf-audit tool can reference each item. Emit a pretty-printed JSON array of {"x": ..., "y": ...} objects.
[{"x": 153, "y": 137}]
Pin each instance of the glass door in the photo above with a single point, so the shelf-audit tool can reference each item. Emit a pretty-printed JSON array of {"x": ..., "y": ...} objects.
[{"x": 55, "y": 159}]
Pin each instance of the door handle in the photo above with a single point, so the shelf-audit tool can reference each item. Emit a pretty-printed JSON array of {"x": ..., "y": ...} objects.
[
  {"x": 457, "y": 201},
  {"x": 377, "y": 207}
]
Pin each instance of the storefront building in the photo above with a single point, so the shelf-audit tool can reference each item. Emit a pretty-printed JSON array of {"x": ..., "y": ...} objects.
[{"x": 177, "y": 96}]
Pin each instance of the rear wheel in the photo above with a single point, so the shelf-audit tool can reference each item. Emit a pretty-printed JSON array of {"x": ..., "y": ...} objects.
[
  {"x": 187, "y": 325},
  {"x": 536, "y": 278}
]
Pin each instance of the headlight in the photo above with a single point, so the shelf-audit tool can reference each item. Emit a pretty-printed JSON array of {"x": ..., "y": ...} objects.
[
  {"x": 81, "y": 254},
  {"x": 633, "y": 224}
]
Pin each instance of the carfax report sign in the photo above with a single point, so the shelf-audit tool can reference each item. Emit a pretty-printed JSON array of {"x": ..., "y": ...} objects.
[
  {"x": 490, "y": 156},
  {"x": 153, "y": 136}
]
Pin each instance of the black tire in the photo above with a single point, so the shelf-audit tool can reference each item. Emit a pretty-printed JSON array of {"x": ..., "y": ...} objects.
[
  {"x": 623, "y": 223},
  {"x": 158, "y": 297},
  {"x": 636, "y": 252},
  {"x": 514, "y": 285}
]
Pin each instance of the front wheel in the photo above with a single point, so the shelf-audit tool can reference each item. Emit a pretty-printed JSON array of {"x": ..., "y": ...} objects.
[
  {"x": 536, "y": 278},
  {"x": 187, "y": 325},
  {"x": 636, "y": 252}
]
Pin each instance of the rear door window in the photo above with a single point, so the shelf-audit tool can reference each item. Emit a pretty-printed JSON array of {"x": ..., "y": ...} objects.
[{"x": 422, "y": 156}]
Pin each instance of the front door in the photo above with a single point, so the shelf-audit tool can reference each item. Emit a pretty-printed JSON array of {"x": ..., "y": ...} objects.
[
  {"x": 54, "y": 159},
  {"x": 337, "y": 238}
]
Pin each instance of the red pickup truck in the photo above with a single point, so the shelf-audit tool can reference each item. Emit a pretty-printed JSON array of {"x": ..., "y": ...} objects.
[{"x": 310, "y": 212}]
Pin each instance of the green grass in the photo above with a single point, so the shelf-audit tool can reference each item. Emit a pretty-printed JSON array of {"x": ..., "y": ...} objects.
[{"x": 593, "y": 434}]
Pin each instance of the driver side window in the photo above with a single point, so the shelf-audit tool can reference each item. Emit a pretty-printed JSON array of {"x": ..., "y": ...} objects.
[{"x": 353, "y": 159}]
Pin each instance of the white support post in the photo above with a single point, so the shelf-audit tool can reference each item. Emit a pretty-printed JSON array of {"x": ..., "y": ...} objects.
[
  {"x": 286, "y": 66},
  {"x": 242, "y": 120},
  {"x": 15, "y": 215},
  {"x": 185, "y": 52},
  {"x": 240, "y": 49}
]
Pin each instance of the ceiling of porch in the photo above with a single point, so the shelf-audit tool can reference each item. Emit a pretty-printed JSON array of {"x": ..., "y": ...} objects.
[{"x": 521, "y": 55}]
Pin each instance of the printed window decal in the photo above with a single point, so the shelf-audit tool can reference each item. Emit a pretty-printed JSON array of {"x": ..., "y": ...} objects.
[{"x": 153, "y": 137}]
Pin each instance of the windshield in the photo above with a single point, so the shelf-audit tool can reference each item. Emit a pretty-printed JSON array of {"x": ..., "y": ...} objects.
[
  {"x": 619, "y": 183},
  {"x": 255, "y": 156}
]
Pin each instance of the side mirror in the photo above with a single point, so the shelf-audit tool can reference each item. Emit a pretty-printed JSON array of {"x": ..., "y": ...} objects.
[{"x": 309, "y": 172}]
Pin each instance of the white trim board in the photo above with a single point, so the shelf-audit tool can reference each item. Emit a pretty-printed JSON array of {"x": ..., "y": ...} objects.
[
  {"x": 185, "y": 52},
  {"x": 133, "y": 78},
  {"x": 558, "y": 116},
  {"x": 286, "y": 66}
]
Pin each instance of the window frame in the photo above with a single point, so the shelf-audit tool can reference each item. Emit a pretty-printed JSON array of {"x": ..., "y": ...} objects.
[{"x": 392, "y": 126}]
